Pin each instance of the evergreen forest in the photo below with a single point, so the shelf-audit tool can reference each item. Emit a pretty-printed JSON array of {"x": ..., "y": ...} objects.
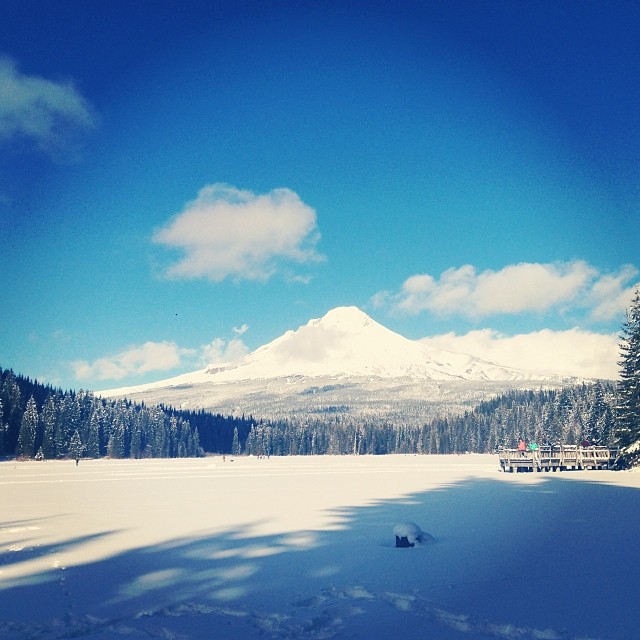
[
  {"x": 39, "y": 421},
  {"x": 570, "y": 415}
]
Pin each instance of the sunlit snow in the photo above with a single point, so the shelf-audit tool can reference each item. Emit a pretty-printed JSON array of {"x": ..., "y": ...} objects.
[{"x": 303, "y": 548}]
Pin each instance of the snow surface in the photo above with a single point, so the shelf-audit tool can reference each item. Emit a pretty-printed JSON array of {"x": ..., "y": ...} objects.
[
  {"x": 345, "y": 342},
  {"x": 303, "y": 548}
]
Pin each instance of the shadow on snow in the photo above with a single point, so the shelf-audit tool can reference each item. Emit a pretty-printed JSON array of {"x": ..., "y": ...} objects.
[{"x": 517, "y": 558}]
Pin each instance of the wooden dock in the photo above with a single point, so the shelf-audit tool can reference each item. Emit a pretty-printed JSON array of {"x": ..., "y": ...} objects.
[{"x": 557, "y": 458}]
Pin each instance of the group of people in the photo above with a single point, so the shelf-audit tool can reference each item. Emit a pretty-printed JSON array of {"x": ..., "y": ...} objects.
[{"x": 523, "y": 446}]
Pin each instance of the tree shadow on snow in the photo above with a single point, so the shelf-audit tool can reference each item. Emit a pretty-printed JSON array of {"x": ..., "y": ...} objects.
[{"x": 518, "y": 557}]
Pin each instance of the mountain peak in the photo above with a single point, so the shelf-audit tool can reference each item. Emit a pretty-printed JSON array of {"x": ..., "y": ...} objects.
[
  {"x": 347, "y": 344},
  {"x": 344, "y": 317},
  {"x": 345, "y": 312}
]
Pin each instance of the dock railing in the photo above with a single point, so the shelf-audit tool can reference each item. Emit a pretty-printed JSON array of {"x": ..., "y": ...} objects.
[{"x": 557, "y": 458}]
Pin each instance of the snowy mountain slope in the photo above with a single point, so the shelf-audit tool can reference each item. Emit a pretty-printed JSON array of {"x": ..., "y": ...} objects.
[
  {"x": 346, "y": 342},
  {"x": 344, "y": 361}
]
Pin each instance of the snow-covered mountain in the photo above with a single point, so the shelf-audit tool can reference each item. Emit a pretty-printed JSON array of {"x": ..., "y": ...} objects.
[
  {"x": 345, "y": 349},
  {"x": 346, "y": 342}
]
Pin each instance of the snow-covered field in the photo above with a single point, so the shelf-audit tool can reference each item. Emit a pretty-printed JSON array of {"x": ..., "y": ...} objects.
[{"x": 304, "y": 548}]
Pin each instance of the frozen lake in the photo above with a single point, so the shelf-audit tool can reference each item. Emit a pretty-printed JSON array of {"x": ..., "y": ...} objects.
[{"x": 303, "y": 547}]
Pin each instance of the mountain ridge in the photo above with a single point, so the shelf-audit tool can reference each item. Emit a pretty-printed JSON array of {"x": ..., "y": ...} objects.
[
  {"x": 344, "y": 363},
  {"x": 346, "y": 343}
]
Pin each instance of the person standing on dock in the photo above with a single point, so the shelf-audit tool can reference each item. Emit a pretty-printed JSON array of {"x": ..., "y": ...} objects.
[
  {"x": 535, "y": 454},
  {"x": 521, "y": 447}
]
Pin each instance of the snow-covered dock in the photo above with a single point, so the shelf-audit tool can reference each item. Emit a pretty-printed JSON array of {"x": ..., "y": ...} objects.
[{"x": 557, "y": 458}]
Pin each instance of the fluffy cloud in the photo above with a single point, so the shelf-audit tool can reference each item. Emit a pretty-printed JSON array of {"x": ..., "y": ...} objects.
[
  {"x": 610, "y": 295},
  {"x": 161, "y": 356},
  {"x": 135, "y": 361},
  {"x": 572, "y": 353},
  {"x": 221, "y": 350},
  {"x": 519, "y": 288},
  {"x": 226, "y": 232},
  {"x": 45, "y": 113}
]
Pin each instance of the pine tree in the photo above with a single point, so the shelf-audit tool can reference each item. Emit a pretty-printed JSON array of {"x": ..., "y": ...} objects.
[
  {"x": 136, "y": 441},
  {"x": 157, "y": 432},
  {"x": 235, "y": 447},
  {"x": 68, "y": 422},
  {"x": 172, "y": 451},
  {"x": 251, "y": 446},
  {"x": 116, "y": 446},
  {"x": 76, "y": 448},
  {"x": 92, "y": 447},
  {"x": 28, "y": 428},
  {"x": 195, "y": 443},
  {"x": 13, "y": 410},
  {"x": 49, "y": 419},
  {"x": 628, "y": 400}
]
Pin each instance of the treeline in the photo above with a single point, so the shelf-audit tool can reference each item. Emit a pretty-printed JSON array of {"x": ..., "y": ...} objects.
[
  {"x": 570, "y": 415},
  {"x": 39, "y": 421},
  {"x": 216, "y": 433}
]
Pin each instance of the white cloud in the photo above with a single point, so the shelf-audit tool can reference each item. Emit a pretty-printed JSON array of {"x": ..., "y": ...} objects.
[
  {"x": 611, "y": 295},
  {"x": 228, "y": 232},
  {"x": 239, "y": 331},
  {"x": 138, "y": 360},
  {"x": 45, "y": 113},
  {"x": 220, "y": 350},
  {"x": 518, "y": 288},
  {"x": 135, "y": 361},
  {"x": 574, "y": 352}
]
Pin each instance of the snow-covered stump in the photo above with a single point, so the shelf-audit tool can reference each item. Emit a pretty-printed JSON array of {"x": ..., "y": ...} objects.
[{"x": 408, "y": 533}]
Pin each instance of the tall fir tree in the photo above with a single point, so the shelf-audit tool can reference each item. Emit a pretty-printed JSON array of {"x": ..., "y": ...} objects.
[
  {"x": 235, "y": 446},
  {"x": 28, "y": 429},
  {"x": 92, "y": 445},
  {"x": 628, "y": 400},
  {"x": 76, "y": 448},
  {"x": 49, "y": 419},
  {"x": 71, "y": 416},
  {"x": 12, "y": 408}
]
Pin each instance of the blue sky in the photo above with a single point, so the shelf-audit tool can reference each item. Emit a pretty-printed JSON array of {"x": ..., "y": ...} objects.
[{"x": 181, "y": 182}]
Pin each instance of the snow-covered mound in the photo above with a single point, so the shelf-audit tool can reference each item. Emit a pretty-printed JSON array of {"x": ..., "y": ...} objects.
[
  {"x": 345, "y": 343},
  {"x": 408, "y": 533}
]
